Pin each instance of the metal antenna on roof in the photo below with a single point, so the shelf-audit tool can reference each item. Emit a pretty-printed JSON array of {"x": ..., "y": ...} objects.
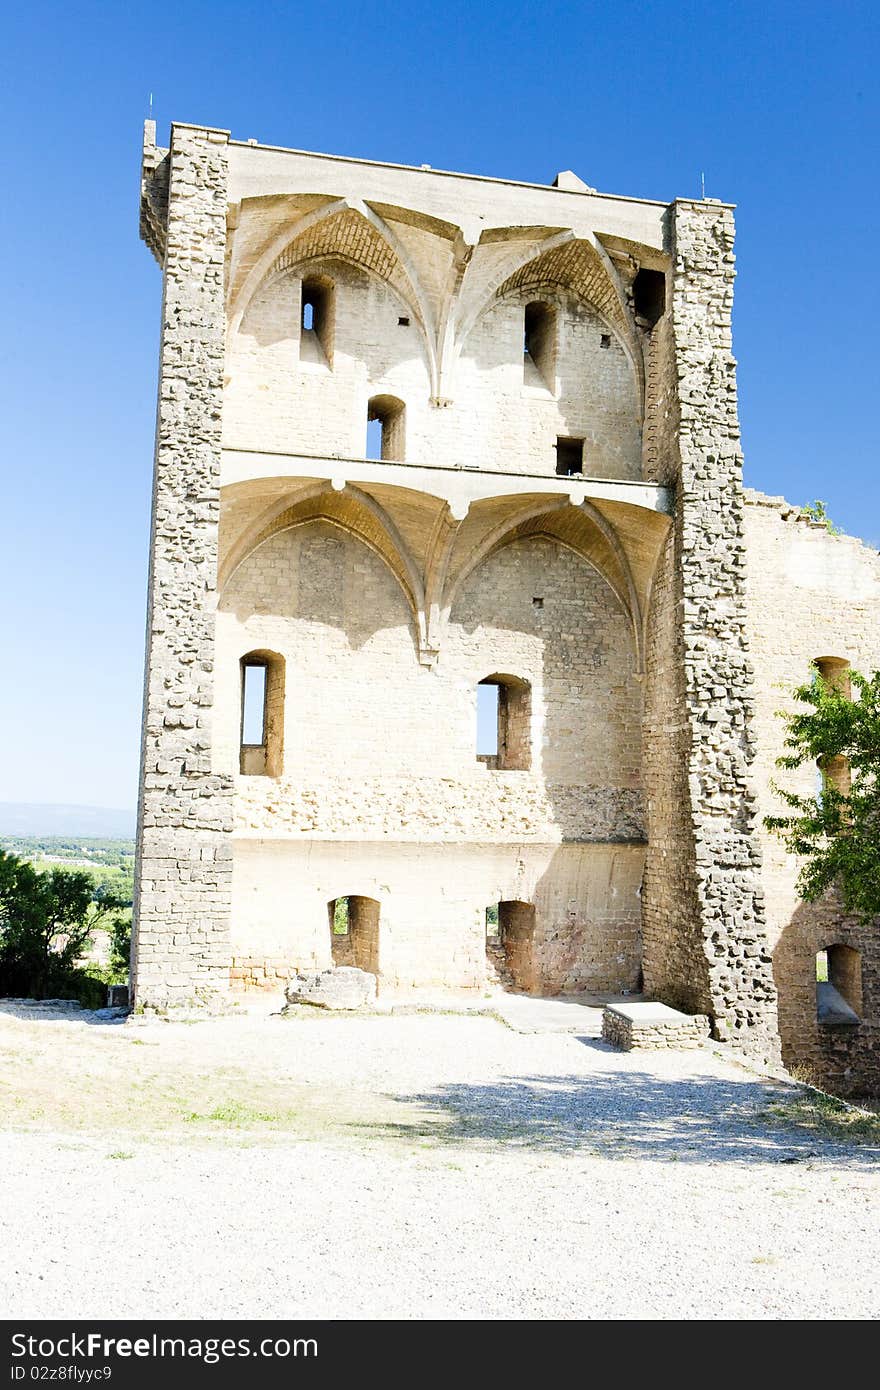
[{"x": 702, "y": 184}]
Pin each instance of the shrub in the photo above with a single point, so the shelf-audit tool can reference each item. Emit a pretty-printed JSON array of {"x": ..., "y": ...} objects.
[{"x": 46, "y": 926}]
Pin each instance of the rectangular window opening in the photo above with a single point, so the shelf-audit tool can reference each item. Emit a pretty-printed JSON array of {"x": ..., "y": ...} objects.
[
  {"x": 487, "y": 720},
  {"x": 569, "y": 457},
  {"x": 253, "y": 720},
  {"x": 374, "y": 439}
]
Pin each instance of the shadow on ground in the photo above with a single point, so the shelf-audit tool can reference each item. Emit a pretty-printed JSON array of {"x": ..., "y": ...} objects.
[
  {"x": 627, "y": 1115},
  {"x": 60, "y": 1011}
]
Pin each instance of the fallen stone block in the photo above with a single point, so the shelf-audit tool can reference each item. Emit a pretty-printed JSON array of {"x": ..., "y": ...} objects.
[{"x": 342, "y": 987}]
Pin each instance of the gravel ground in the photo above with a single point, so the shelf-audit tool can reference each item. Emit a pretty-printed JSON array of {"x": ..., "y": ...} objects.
[{"x": 412, "y": 1167}]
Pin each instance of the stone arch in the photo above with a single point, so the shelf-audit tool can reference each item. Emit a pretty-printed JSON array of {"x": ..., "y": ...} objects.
[
  {"x": 578, "y": 265},
  {"x": 581, "y": 529},
  {"x": 354, "y": 923},
  {"x": 510, "y": 949},
  {"x": 348, "y": 508},
  {"x": 839, "y": 997},
  {"x": 514, "y": 722},
  {"x": 350, "y": 231}
]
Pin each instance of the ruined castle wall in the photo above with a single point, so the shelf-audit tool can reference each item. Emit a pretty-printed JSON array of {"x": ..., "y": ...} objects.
[
  {"x": 809, "y": 595},
  {"x": 382, "y": 794},
  {"x": 433, "y": 900},
  {"x": 501, "y": 414},
  {"x": 181, "y": 926},
  {"x": 377, "y": 744},
  {"x": 713, "y": 866}
]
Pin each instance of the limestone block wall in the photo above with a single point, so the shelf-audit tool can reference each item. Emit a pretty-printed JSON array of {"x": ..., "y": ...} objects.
[
  {"x": 500, "y": 415},
  {"x": 181, "y": 920},
  {"x": 705, "y": 934},
  {"x": 377, "y": 744},
  {"x": 432, "y": 917},
  {"x": 809, "y": 595}
]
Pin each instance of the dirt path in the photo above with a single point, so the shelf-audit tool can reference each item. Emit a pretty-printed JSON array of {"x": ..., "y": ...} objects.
[{"x": 416, "y": 1166}]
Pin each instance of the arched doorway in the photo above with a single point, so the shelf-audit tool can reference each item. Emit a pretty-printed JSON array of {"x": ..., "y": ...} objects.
[
  {"x": 510, "y": 946},
  {"x": 354, "y": 932}
]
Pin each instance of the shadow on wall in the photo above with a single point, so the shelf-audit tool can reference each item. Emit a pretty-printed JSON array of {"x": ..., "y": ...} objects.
[
  {"x": 320, "y": 573},
  {"x": 616, "y": 1114},
  {"x": 584, "y": 934},
  {"x": 840, "y": 1052}
]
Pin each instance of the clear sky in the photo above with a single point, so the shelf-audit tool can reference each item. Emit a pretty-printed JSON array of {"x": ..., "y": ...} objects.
[{"x": 776, "y": 103}]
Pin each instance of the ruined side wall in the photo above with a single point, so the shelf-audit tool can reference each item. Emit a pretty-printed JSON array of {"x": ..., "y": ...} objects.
[
  {"x": 181, "y": 933},
  {"x": 809, "y": 595},
  {"x": 704, "y": 914}
]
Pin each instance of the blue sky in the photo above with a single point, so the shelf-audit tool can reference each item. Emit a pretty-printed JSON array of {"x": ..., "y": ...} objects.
[{"x": 776, "y": 103}]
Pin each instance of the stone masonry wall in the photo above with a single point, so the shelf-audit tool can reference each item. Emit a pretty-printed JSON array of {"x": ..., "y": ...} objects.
[
  {"x": 181, "y": 933},
  {"x": 809, "y": 595},
  {"x": 377, "y": 745},
  {"x": 433, "y": 900},
  {"x": 712, "y": 893},
  {"x": 276, "y": 400}
]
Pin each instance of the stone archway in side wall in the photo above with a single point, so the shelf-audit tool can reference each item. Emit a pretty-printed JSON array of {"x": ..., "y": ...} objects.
[{"x": 354, "y": 932}]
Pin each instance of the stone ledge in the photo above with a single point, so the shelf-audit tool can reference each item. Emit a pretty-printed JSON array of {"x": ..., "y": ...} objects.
[{"x": 651, "y": 1025}]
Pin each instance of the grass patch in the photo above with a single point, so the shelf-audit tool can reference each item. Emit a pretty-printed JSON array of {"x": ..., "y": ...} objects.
[
  {"x": 236, "y": 1113},
  {"x": 828, "y": 1118},
  {"x": 120, "y": 1153}
]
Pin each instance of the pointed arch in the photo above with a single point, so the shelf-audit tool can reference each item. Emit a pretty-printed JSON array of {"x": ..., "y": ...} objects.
[
  {"x": 350, "y": 509},
  {"x": 314, "y": 236},
  {"x": 573, "y": 528}
]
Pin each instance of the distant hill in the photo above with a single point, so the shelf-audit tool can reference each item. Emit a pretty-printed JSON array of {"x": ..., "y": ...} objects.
[{"x": 102, "y": 822}]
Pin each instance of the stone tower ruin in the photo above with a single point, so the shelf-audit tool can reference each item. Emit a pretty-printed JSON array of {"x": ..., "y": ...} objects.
[{"x": 429, "y": 444}]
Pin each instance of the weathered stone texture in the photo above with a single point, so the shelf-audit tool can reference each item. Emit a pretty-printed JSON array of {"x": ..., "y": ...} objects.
[
  {"x": 830, "y": 608},
  {"x": 705, "y": 929},
  {"x": 342, "y": 987},
  {"x": 652, "y": 1026},
  {"x": 181, "y": 936}
]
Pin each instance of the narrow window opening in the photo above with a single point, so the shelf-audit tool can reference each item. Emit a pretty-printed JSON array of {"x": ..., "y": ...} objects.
[
  {"x": 403, "y": 321},
  {"x": 838, "y": 986},
  {"x": 649, "y": 297},
  {"x": 504, "y": 712},
  {"x": 487, "y": 719},
  {"x": 537, "y": 603},
  {"x": 262, "y": 715},
  {"x": 491, "y": 921},
  {"x": 386, "y": 429},
  {"x": 339, "y": 918},
  {"x": 834, "y": 771},
  {"x": 253, "y": 727},
  {"x": 539, "y": 345},
  {"x": 605, "y": 340},
  {"x": 835, "y": 671},
  {"x": 569, "y": 457},
  {"x": 316, "y": 321}
]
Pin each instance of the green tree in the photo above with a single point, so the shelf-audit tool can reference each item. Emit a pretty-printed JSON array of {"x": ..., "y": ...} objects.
[
  {"x": 836, "y": 832},
  {"x": 46, "y": 926}
]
